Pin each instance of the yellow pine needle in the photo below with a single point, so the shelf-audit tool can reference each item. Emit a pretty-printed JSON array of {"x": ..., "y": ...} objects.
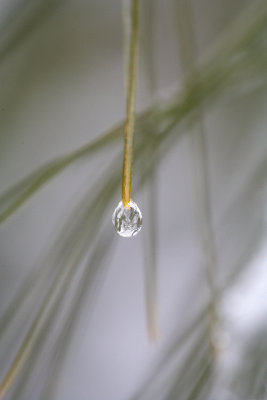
[{"x": 130, "y": 104}]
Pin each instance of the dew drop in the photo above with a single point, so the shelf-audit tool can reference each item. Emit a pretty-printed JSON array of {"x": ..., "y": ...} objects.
[{"x": 127, "y": 221}]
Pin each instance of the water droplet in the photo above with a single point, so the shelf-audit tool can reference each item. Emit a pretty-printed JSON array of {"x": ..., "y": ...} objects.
[{"x": 127, "y": 221}]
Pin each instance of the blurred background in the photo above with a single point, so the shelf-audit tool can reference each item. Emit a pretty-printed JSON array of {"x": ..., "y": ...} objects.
[{"x": 178, "y": 312}]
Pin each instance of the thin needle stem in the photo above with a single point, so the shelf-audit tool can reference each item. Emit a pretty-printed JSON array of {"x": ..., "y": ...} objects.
[{"x": 130, "y": 103}]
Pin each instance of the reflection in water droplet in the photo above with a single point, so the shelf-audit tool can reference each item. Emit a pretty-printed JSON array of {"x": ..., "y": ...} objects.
[{"x": 127, "y": 221}]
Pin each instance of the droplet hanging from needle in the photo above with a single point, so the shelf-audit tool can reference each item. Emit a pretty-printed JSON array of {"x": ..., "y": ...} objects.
[
  {"x": 127, "y": 221},
  {"x": 127, "y": 218}
]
